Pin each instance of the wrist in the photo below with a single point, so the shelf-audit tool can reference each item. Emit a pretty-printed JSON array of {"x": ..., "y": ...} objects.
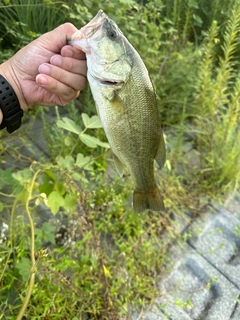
[
  {"x": 11, "y": 111},
  {"x": 7, "y": 71}
]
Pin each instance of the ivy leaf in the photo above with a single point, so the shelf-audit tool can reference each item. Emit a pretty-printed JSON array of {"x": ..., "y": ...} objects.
[
  {"x": 91, "y": 123},
  {"x": 55, "y": 201},
  {"x": 92, "y": 142},
  {"x": 23, "y": 176},
  {"x": 69, "y": 125}
]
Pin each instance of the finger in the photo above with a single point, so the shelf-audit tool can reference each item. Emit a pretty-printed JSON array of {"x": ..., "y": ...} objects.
[
  {"x": 61, "y": 90},
  {"x": 70, "y": 51},
  {"x": 70, "y": 64},
  {"x": 74, "y": 80}
]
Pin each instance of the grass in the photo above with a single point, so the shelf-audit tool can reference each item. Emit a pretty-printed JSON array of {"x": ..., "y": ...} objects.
[
  {"x": 25, "y": 20},
  {"x": 103, "y": 259}
]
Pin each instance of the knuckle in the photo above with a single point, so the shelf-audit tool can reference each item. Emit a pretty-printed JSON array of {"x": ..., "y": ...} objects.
[
  {"x": 69, "y": 64},
  {"x": 53, "y": 85},
  {"x": 69, "y": 91},
  {"x": 73, "y": 94}
]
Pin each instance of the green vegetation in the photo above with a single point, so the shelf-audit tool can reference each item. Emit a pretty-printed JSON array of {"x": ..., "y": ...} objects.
[{"x": 102, "y": 259}]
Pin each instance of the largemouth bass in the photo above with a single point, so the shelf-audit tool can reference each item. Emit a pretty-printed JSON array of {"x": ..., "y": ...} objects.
[{"x": 126, "y": 104}]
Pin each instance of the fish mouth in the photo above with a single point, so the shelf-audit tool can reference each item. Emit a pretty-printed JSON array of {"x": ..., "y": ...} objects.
[
  {"x": 98, "y": 76},
  {"x": 109, "y": 82},
  {"x": 91, "y": 27},
  {"x": 88, "y": 30}
]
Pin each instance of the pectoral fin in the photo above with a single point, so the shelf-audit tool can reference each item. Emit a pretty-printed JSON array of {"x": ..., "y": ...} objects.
[
  {"x": 161, "y": 153},
  {"x": 119, "y": 165}
]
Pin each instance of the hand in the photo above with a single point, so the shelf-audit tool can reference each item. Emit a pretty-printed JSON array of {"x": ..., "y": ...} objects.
[{"x": 47, "y": 71}]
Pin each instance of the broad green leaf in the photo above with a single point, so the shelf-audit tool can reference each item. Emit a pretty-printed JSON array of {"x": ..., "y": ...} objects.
[
  {"x": 66, "y": 163},
  {"x": 77, "y": 176},
  {"x": 103, "y": 144},
  {"x": 88, "y": 140},
  {"x": 46, "y": 188},
  {"x": 23, "y": 195},
  {"x": 1, "y": 206},
  {"x": 70, "y": 201},
  {"x": 92, "y": 142},
  {"x": 55, "y": 201},
  {"x": 60, "y": 188},
  {"x": 6, "y": 177},
  {"x": 24, "y": 267},
  {"x": 48, "y": 227},
  {"x": 69, "y": 141},
  {"x": 91, "y": 123},
  {"x": 48, "y": 232},
  {"x": 82, "y": 161},
  {"x": 69, "y": 125},
  {"x": 23, "y": 176},
  {"x": 49, "y": 174}
]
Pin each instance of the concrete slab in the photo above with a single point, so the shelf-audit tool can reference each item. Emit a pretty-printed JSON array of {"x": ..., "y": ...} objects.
[
  {"x": 197, "y": 290},
  {"x": 219, "y": 242}
]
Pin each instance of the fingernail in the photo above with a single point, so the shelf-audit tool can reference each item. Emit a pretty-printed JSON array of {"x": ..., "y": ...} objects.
[
  {"x": 41, "y": 80},
  {"x": 43, "y": 68},
  {"x": 56, "y": 61}
]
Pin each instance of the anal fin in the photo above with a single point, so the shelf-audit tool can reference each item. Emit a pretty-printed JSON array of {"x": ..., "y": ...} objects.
[{"x": 119, "y": 165}]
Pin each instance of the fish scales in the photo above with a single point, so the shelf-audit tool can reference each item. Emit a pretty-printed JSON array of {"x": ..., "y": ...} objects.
[{"x": 126, "y": 104}]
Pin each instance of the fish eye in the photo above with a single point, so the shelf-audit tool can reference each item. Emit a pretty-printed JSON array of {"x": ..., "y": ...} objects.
[{"x": 112, "y": 33}]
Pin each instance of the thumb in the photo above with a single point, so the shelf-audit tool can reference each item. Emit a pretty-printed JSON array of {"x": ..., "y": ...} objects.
[{"x": 57, "y": 38}]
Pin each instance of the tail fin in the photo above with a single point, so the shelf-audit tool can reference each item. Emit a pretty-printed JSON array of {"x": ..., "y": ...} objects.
[{"x": 147, "y": 200}]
